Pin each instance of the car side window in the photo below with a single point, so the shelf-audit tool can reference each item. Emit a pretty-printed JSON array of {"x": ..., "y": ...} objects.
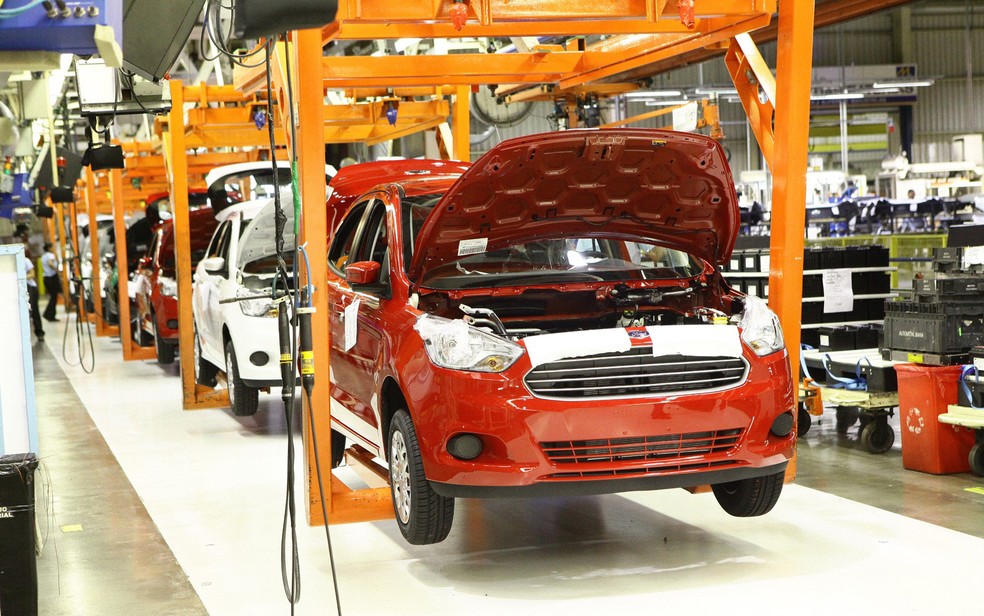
[
  {"x": 220, "y": 241},
  {"x": 342, "y": 244},
  {"x": 373, "y": 245}
]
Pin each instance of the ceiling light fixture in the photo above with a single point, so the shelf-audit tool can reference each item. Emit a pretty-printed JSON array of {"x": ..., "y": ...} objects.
[
  {"x": 902, "y": 84},
  {"x": 654, "y": 94},
  {"x": 846, "y": 96}
]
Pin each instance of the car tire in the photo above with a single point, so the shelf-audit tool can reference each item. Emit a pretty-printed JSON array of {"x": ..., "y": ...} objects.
[
  {"x": 205, "y": 371},
  {"x": 243, "y": 399},
  {"x": 423, "y": 515},
  {"x": 976, "y": 458},
  {"x": 165, "y": 350},
  {"x": 337, "y": 448},
  {"x": 877, "y": 436},
  {"x": 747, "y": 498}
]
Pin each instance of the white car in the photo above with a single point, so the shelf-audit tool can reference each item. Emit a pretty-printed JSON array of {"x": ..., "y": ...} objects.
[{"x": 240, "y": 337}]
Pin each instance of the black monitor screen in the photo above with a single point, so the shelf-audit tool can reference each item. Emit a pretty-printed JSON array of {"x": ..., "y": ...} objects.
[{"x": 154, "y": 33}]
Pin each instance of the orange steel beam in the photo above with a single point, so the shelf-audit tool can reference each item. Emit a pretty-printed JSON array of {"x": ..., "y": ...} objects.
[
  {"x": 750, "y": 73},
  {"x": 342, "y": 504},
  {"x": 95, "y": 255},
  {"x": 374, "y": 19},
  {"x": 461, "y": 124},
  {"x": 794, "y": 62},
  {"x": 643, "y": 116},
  {"x": 548, "y": 92},
  {"x": 193, "y": 396},
  {"x": 827, "y": 14}
]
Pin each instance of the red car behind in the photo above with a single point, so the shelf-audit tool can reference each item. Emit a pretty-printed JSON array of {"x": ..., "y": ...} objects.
[{"x": 156, "y": 283}]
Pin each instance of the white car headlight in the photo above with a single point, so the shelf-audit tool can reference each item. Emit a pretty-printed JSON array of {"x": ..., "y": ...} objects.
[
  {"x": 168, "y": 286},
  {"x": 455, "y": 344},
  {"x": 258, "y": 307},
  {"x": 760, "y": 327}
]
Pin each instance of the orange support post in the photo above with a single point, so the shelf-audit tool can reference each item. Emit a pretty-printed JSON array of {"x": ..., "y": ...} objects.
[
  {"x": 461, "y": 123},
  {"x": 61, "y": 249},
  {"x": 193, "y": 396}
]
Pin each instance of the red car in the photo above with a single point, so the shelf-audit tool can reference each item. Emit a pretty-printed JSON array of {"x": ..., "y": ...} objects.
[
  {"x": 157, "y": 286},
  {"x": 552, "y": 320}
]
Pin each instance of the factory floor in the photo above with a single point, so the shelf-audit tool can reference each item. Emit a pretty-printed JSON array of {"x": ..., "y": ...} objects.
[{"x": 149, "y": 509}]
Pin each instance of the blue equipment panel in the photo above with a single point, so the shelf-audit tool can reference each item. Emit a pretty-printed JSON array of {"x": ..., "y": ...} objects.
[{"x": 35, "y": 30}]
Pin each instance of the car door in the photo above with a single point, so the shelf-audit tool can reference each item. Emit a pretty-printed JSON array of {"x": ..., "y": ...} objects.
[
  {"x": 207, "y": 294},
  {"x": 356, "y": 336}
]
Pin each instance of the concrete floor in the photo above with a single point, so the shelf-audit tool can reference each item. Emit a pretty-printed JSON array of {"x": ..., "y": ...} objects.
[{"x": 181, "y": 512}]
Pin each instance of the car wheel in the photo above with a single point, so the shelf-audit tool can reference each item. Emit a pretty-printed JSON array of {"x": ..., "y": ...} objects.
[
  {"x": 165, "y": 351},
  {"x": 423, "y": 515},
  {"x": 976, "y": 458},
  {"x": 337, "y": 448},
  {"x": 877, "y": 436},
  {"x": 747, "y": 498},
  {"x": 242, "y": 398},
  {"x": 205, "y": 371}
]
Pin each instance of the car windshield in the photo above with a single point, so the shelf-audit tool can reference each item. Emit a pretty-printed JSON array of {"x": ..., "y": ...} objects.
[{"x": 547, "y": 261}]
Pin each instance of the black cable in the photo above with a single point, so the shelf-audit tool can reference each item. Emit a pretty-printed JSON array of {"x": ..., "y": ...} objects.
[
  {"x": 306, "y": 347},
  {"x": 75, "y": 265}
]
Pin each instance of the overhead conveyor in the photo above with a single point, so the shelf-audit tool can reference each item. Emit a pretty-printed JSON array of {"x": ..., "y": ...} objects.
[{"x": 645, "y": 34}]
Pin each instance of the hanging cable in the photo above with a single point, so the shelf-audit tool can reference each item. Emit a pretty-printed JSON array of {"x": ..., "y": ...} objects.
[{"x": 83, "y": 331}]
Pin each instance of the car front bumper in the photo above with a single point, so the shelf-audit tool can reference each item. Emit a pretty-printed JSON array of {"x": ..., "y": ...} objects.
[{"x": 535, "y": 446}]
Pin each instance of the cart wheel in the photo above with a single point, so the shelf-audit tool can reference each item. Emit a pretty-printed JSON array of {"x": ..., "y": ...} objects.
[
  {"x": 877, "y": 436},
  {"x": 846, "y": 417},
  {"x": 976, "y": 458},
  {"x": 804, "y": 421}
]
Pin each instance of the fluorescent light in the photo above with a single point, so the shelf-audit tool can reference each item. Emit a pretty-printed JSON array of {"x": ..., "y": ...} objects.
[
  {"x": 654, "y": 94},
  {"x": 847, "y": 96},
  {"x": 716, "y": 91},
  {"x": 665, "y": 103},
  {"x": 902, "y": 84}
]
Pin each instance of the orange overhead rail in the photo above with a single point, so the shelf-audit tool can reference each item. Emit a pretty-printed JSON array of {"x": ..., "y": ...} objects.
[{"x": 382, "y": 19}]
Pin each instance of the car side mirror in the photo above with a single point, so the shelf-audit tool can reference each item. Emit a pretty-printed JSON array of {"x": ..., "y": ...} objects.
[
  {"x": 213, "y": 264},
  {"x": 362, "y": 272}
]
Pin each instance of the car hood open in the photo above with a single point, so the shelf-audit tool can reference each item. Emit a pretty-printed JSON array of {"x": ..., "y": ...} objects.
[{"x": 661, "y": 186}]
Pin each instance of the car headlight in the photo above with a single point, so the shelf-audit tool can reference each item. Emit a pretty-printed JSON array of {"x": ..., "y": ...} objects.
[
  {"x": 457, "y": 345},
  {"x": 258, "y": 307},
  {"x": 168, "y": 286},
  {"x": 760, "y": 327}
]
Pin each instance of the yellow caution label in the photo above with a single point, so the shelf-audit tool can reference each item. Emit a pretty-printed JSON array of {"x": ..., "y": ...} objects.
[
  {"x": 307, "y": 362},
  {"x": 285, "y": 358},
  {"x": 915, "y": 358},
  {"x": 72, "y": 528},
  {"x": 975, "y": 490},
  {"x": 720, "y": 320}
]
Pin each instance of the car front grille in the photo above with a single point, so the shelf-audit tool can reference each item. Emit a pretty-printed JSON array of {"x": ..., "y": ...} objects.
[
  {"x": 662, "y": 448},
  {"x": 633, "y": 373}
]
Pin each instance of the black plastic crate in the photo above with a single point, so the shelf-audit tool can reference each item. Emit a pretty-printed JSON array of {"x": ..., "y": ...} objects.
[
  {"x": 947, "y": 259},
  {"x": 855, "y": 256},
  {"x": 750, "y": 261},
  {"x": 878, "y": 282},
  {"x": 734, "y": 263},
  {"x": 811, "y": 259},
  {"x": 813, "y": 286},
  {"x": 877, "y": 256},
  {"x": 832, "y": 258},
  {"x": 812, "y": 313},
  {"x": 859, "y": 282},
  {"x": 945, "y": 287},
  {"x": 933, "y": 333},
  {"x": 838, "y": 338},
  {"x": 875, "y": 309},
  {"x": 879, "y": 378},
  {"x": 866, "y": 336},
  {"x": 810, "y": 337}
]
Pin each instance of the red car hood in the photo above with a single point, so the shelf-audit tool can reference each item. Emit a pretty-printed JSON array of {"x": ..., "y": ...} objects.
[{"x": 636, "y": 184}]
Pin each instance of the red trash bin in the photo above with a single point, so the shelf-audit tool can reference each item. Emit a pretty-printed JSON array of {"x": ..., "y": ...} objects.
[{"x": 928, "y": 445}]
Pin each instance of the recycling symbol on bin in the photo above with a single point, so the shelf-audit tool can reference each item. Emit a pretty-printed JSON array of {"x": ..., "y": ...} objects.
[{"x": 914, "y": 420}]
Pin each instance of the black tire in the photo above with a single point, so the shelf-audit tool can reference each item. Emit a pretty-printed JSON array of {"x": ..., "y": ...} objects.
[
  {"x": 748, "y": 498},
  {"x": 976, "y": 458},
  {"x": 423, "y": 515},
  {"x": 337, "y": 448},
  {"x": 243, "y": 399},
  {"x": 803, "y": 422},
  {"x": 877, "y": 436},
  {"x": 165, "y": 350},
  {"x": 205, "y": 371},
  {"x": 847, "y": 416}
]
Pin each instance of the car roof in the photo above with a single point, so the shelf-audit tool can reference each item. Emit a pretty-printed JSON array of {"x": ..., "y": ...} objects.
[
  {"x": 249, "y": 209},
  {"x": 256, "y": 165}
]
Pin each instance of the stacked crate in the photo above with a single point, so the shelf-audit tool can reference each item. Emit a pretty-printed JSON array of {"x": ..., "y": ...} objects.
[{"x": 945, "y": 319}]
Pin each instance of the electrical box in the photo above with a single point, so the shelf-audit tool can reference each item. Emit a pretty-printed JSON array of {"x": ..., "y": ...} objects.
[
  {"x": 968, "y": 148},
  {"x": 87, "y": 27}
]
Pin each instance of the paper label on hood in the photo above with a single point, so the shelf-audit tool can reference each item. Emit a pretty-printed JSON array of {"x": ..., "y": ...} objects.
[{"x": 472, "y": 247}]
